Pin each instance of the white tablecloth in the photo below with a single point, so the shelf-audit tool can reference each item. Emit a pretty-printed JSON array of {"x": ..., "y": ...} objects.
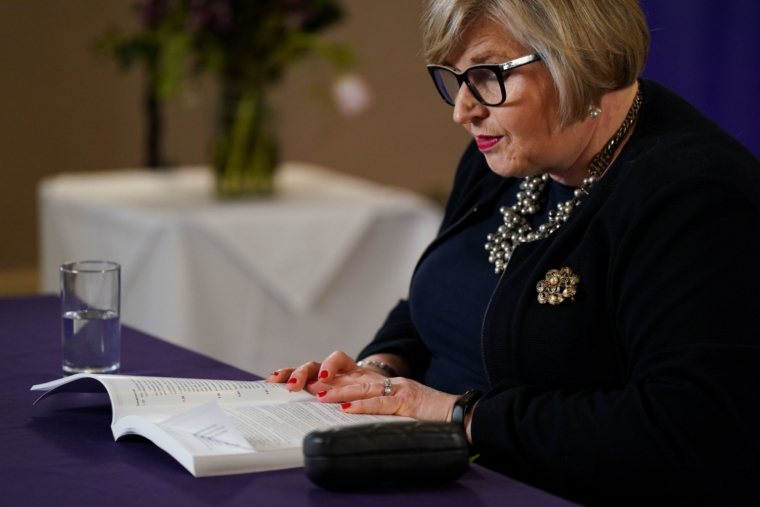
[{"x": 258, "y": 284}]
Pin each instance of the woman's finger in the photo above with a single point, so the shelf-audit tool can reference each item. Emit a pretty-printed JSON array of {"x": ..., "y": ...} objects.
[
  {"x": 300, "y": 376},
  {"x": 381, "y": 405},
  {"x": 357, "y": 376},
  {"x": 352, "y": 392},
  {"x": 280, "y": 376},
  {"x": 336, "y": 363},
  {"x": 402, "y": 397}
]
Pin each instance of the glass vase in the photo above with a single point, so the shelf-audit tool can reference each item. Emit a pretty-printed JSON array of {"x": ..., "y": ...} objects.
[{"x": 245, "y": 153}]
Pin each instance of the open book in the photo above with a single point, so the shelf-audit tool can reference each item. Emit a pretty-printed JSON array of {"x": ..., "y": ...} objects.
[{"x": 214, "y": 427}]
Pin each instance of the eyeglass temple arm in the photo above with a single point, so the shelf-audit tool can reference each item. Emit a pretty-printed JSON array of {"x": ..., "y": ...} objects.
[{"x": 520, "y": 61}]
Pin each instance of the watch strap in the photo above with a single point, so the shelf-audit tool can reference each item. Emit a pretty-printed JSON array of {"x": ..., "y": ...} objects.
[{"x": 463, "y": 405}]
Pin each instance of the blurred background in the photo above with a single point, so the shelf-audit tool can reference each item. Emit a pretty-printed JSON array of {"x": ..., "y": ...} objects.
[{"x": 63, "y": 110}]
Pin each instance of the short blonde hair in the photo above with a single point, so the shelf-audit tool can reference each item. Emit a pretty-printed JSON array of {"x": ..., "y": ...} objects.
[{"x": 591, "y": 47}]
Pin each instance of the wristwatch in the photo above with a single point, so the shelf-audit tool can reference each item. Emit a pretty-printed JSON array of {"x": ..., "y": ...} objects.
[{"x": 463, "y": 405}]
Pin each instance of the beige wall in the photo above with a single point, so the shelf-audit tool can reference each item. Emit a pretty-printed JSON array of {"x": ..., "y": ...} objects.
[{"x": 63, "y": 111}]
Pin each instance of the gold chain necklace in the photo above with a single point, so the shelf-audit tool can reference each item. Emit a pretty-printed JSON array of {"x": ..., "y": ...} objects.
[{"x": 517, "y": 229}]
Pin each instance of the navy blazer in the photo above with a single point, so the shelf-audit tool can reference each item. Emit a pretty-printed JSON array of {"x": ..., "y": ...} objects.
[{"x": 646, "y": 388}]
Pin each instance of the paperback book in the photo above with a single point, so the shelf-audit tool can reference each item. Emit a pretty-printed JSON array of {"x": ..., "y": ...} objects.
[{"x": 213, "y": 427}]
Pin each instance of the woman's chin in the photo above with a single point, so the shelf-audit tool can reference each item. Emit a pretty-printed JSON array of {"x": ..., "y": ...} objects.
[{"x": 507, "y": 168}]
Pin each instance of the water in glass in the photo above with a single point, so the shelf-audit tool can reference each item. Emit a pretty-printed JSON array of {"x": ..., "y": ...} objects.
[{"x": 91, "y": 341}]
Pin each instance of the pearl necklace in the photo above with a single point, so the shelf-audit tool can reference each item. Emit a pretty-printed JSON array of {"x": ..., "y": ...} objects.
[{"x": 518, "y": 230}]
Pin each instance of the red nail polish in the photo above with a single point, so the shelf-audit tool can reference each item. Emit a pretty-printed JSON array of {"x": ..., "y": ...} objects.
[
  {"x": 321, "y": 393},
  {"x": 274, "y": 374},
  {"x": 292, "y": 381},
  {"x": 344, "y": 406},
  {"x": 323, "y": 374},
  {"x": 312, "y": 382}
]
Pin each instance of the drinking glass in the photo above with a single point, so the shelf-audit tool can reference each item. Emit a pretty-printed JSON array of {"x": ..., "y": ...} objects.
[{"x": 90, "y": 311}]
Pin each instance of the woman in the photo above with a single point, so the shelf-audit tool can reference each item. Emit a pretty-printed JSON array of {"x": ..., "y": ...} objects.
[{"x": 616, "y": 343}]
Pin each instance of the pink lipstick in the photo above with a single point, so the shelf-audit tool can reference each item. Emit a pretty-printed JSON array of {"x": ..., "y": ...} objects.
[{"x": 485, "y": 143}]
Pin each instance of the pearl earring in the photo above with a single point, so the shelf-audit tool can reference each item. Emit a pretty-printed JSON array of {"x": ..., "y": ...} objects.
[{"x": 594, "y": 112}]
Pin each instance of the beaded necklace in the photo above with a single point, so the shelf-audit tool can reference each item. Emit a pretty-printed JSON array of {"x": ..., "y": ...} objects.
[{"x": 518, "y": 230}]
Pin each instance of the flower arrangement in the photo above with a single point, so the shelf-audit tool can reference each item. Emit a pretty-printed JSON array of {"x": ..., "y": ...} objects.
[{"x": 247, "y": 45}]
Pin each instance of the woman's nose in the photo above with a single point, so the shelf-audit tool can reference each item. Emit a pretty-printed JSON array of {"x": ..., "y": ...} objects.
[{"x": 467, "y": 107}]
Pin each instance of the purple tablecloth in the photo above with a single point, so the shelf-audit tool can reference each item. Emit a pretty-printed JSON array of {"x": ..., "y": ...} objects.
[{"x": 61, "y": 451}]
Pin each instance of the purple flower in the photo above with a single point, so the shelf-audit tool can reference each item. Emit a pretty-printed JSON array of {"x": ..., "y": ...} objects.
[
  {"x": 152, "y": 12},
  {"x": 351, "y": 94},
  {"x": 213, "y": 15},
  {"x": 299, "y": 13},
  {"x": 296, "y": 4},
  {"x": 223, "y": 18}
]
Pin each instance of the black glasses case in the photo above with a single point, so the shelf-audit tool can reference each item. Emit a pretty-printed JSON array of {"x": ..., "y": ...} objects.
[{"x": 414, "y": 453}]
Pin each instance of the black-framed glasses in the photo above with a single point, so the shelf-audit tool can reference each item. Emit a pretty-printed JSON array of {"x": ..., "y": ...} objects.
[{"x": 486, "y": 81}]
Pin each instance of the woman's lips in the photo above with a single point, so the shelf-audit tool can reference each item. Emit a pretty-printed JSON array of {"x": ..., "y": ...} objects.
[{"x": 485, "y": 143}]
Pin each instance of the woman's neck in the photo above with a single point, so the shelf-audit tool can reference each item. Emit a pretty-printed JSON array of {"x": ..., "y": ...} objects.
[{"x": 615, "y": 106}]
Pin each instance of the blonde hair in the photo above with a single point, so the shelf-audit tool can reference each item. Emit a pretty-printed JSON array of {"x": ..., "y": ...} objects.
[{"x": 590, "y": 47}]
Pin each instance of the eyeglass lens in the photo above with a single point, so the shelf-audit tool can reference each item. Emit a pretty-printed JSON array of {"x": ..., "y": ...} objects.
[{"x": 485, "y": 81}]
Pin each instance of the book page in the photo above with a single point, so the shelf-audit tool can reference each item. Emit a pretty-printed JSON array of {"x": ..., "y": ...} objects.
[
  {"x": 206, "y": 430},
  {"x": 176, "y": 395},
  {"x": 271, "y": 427},
  {"x": 158, "y": 398},
  {"x": 211, "y": 429}
]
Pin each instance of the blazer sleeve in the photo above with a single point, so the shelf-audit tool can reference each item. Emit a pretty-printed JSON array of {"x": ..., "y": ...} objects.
[
  {"x": 683, "y": 294},
  {"x": 398, "y": 336}
]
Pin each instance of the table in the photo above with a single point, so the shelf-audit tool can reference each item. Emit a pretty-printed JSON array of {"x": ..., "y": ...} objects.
[
  {"x": 257, "y": 284},
  {"x": 61, "y": 452}
]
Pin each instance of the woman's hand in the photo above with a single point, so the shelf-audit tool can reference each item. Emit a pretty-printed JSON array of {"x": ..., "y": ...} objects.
[
  {"x": 337, "y": 370},
  {"x": 407, "y": 398},
  {"x": 361, "y": 390}
]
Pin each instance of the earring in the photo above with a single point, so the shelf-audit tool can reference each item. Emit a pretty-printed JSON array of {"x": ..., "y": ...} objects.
[{"x": 594, "y": 112}]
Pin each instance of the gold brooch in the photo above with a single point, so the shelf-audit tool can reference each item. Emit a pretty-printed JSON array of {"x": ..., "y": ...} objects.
[{"x": 557, "y": 286}]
